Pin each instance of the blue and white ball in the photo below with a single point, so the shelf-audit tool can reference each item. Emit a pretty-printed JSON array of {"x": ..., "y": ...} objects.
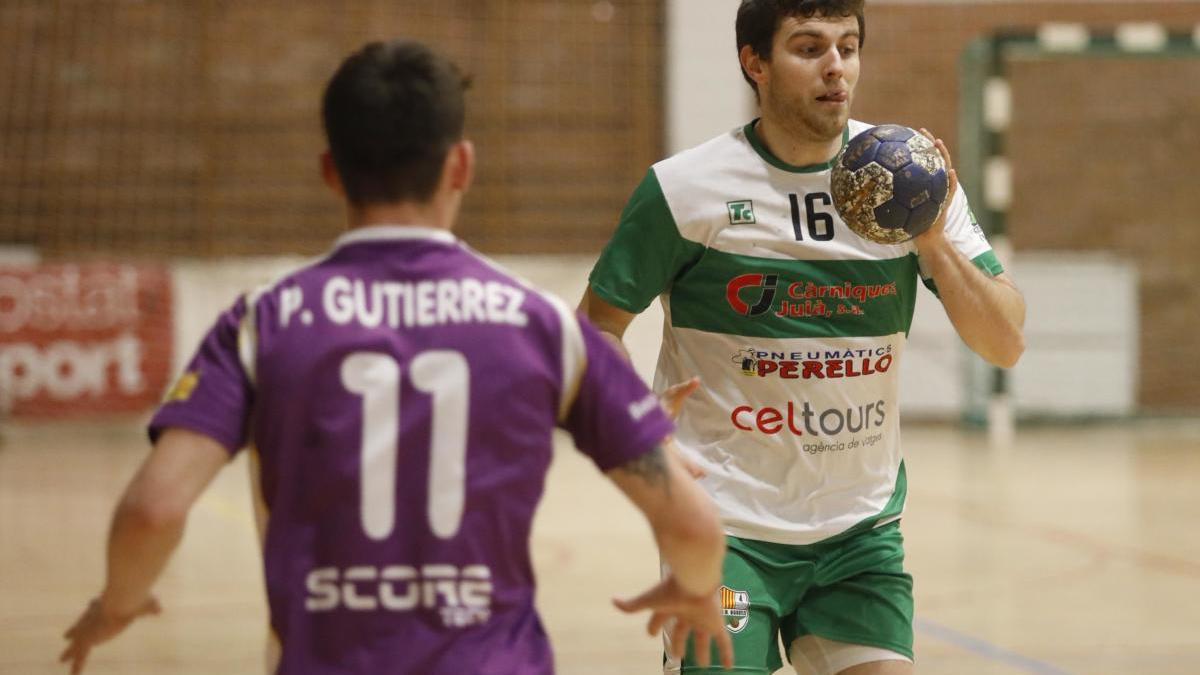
[{"x": 889, "y": 184}]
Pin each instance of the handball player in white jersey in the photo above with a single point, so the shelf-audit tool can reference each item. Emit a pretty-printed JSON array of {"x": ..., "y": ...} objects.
[{"x": 795, "y": 327}]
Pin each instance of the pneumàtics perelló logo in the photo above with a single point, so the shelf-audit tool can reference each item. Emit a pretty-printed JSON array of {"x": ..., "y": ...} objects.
[{"x": 820, "y": 365}]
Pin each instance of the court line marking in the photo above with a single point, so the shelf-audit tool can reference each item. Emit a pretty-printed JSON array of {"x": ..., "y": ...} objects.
[
  {"x": 985, "y": 649},
  {"x": 226, "y": 507}
]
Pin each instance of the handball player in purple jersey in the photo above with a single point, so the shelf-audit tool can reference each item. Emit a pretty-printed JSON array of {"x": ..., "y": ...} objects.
[{"x": 399, "y": 397}]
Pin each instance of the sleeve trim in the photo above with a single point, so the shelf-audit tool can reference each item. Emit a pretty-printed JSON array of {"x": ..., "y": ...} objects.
[
  {"x": 196, "y": 424},
  {"x": 989, "y": 263},
  {"x": 986, "y": 262},
  {"x": 615, "y": 300},
  {"x": 574, "y": 356},
  {"x": 648, "y": 438},
  {"x": 247, "y": 336}
]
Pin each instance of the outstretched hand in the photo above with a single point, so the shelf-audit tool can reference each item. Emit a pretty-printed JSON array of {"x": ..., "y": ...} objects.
[
  {"x": 672, "y": 402},
  {"x": 684, "y": 614},
  {"x": 95, "y": 626}
]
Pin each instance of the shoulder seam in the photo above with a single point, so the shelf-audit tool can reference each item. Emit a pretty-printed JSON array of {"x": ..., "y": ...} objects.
[{"x": 247, "y": 335}]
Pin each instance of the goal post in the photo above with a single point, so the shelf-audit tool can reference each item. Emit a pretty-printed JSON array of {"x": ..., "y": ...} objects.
[{"x": 986, "y": 108}]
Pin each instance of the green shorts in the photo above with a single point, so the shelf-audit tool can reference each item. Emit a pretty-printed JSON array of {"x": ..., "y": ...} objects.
[{"x": 851, "y": 588}]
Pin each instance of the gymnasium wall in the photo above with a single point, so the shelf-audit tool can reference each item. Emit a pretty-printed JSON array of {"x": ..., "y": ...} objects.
[
  {"x": 149, "y": 132},
  {"x": 191, "y": 127},
  {"x": 1100, "y": 150}
]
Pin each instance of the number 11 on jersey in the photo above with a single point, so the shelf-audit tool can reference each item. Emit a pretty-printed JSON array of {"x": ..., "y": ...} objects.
[{"x": 445, "y": 376}]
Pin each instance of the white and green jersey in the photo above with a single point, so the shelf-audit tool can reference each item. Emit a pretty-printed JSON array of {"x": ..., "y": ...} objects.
[{"x": 794, "y": 324}]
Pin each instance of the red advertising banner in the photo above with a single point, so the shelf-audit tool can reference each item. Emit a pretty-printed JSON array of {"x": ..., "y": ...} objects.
[{"x": 83, "y": 339}]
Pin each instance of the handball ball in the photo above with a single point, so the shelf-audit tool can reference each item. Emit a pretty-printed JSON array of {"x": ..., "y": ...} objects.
[{"x": 889, "y": 184}]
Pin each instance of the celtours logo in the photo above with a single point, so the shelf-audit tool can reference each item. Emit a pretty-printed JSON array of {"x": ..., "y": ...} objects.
[{"x": 800, "y": 419}]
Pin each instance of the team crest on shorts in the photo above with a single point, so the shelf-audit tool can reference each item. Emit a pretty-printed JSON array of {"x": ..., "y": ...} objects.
[{"x": 735, "y": 605}]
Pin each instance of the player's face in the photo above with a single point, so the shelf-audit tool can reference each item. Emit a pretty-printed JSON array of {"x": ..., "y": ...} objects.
[{"x": 811, "y": 75}]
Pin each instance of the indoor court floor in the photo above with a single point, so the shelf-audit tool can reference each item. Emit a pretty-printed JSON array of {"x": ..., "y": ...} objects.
[{"x": 1073, "y": 551}]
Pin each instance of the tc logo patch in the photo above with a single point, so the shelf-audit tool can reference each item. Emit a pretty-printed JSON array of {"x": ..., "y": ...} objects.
[
  {"x": 741, "y": 212},
  {"x": 735, "y": 606}
]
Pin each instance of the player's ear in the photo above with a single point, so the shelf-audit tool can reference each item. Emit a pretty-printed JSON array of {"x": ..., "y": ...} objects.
[
  {"x": 754, "y": 65},
  {"x": 330, "y": 175},
  {"x": 460, "y": 165}
]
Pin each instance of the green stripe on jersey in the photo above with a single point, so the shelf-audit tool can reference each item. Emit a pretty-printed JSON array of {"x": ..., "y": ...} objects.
[
  {"x": 646, "y": 252},
  {"x": 785, "y": 298}
]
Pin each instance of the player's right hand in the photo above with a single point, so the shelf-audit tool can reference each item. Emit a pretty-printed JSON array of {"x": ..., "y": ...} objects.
[
  {"x": 684, "y": 614},
  {"x": 939, "y": 226}
]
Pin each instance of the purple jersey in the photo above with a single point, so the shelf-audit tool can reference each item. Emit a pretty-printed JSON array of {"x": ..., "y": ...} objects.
[{"x": 399, "y": 397}]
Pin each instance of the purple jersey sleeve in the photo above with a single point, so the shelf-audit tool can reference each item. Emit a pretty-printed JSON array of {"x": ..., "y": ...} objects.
[
  {"x": 615, "y": 418},
  {"x": 213, "y": 395}
]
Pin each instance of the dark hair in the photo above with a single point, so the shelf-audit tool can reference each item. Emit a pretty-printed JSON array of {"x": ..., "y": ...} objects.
[
  {"x": 391, "y": 112},
  {"x": 757, "y": 21}
]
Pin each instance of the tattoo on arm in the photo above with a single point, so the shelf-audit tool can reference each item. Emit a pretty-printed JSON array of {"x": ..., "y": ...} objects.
[{"x": 650, "y": 467}]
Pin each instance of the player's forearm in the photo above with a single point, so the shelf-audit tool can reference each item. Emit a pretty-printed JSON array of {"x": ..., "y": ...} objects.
[
  {"x": 987, "y": 313},
  {"x": 682, "y": 517},
  {"x": 140, "y": 543},
  {"x": 695, "y": 549},
  {"x": 150, "y": 518},
  {"x": 609, "y": 320}
]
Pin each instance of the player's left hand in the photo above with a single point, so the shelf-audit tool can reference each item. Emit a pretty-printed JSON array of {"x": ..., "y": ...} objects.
[
  {"x": 672, "y": 402},
  {"x": 939, "y": 225},
  {"x": 673, "y": 396},
  {"x": 96, "y": 625},
  {"x": 683, "y": 614}
]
